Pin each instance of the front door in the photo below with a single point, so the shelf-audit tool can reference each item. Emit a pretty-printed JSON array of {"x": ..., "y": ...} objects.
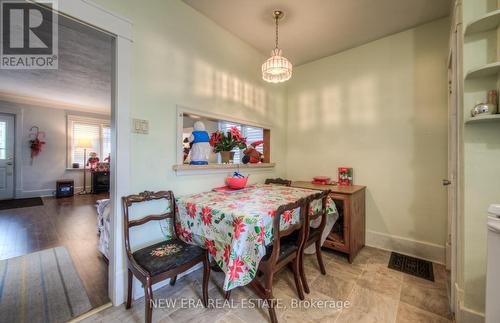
[{"x": 6, "y": 156}]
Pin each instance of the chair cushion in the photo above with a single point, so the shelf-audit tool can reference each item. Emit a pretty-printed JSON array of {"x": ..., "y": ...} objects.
[
  {"x": 287, "y": 247},
  {"x": 313, "y": 234},
  {"x": 166, "y": 255}
]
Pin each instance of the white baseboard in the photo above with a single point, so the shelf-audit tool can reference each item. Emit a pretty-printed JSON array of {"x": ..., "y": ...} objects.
[
  {"x": 470, "y": 316},
  {"x": 464, "y": 314},
  {"x": 44, "y": 192},
  {"x": 419, "y": 249},
  {"x": 35, "y": 193}
]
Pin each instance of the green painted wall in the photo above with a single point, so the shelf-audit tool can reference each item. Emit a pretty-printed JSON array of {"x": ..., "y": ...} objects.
[
  {"x": 481, "y": 157},
  {"x": 380, "y": 108}
]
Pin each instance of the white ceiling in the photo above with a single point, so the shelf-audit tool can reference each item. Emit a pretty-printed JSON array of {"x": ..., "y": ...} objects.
[
  {"x": 312, "y": 29},
  {"x": 82, "y": 81}
]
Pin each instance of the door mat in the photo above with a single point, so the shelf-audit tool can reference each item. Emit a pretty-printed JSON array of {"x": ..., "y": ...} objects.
[
  {"x": 413, "y": 266},
  {"x": 18, "y": 203}
]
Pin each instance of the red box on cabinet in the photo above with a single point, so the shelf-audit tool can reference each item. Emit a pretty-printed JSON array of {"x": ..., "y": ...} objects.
[{"x": 345, "y": 176}]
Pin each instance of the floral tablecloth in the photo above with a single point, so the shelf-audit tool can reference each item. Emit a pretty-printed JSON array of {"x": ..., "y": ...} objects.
[{"x": 235, "y": 227}]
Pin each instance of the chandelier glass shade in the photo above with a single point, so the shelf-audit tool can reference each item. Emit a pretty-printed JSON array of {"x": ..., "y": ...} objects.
[{"x": 277, "y": 68}]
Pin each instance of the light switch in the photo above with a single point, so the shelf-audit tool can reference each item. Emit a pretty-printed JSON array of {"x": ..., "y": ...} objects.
[{"x": 140, "y": 126}]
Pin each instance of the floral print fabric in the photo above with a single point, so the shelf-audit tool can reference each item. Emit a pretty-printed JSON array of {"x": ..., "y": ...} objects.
[{"x": 235, "y": 227}]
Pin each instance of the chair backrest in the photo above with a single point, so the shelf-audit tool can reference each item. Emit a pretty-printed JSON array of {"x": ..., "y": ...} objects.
[
  {"x": 323, "y": 196},
  {"x": 278, "y": 233},
  {"x": 142, "y": 197},
  {"x": 279, "y": 181}
]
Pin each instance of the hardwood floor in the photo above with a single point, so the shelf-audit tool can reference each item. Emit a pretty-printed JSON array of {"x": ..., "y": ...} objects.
[{"x": 69, "y": 222}]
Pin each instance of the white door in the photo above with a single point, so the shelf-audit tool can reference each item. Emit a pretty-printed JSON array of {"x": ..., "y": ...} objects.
[{"x": 6, "y": 156}]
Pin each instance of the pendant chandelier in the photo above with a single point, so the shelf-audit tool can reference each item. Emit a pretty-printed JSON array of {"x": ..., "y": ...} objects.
[{"x": 277, "y": 68}]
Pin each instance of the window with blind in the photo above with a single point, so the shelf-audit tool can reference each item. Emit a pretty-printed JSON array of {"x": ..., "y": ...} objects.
[
  {"x": 252, "y": 134},
  {"x": 96, "y": 133}
]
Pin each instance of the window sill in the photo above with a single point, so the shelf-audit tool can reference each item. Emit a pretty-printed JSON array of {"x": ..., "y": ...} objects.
[
  {"x": 218, "y": 168},
  {"x": 76, "y": 169}
]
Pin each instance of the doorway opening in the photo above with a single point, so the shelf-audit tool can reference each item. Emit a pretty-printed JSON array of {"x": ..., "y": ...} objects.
[{"x": 57, "y": 144}]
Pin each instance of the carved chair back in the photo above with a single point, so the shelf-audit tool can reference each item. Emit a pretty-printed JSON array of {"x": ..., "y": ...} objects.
[
  {"x": 278, "y": 234},
  {"x": 311, "y": 215},
  {"x": 279, "y": 181},
  {"x": 142, "y": 197}
]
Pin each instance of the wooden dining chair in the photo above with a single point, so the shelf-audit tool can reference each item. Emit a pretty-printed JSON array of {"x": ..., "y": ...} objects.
[
  {"x": 313, "y": 235},
  {"x": 278, "y": 181},
  {"x": 281, "y": 253},
  {"x": 162, "y": 260}
]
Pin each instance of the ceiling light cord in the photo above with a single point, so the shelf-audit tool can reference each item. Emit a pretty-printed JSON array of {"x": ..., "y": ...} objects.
[{"x": 276, "y": 40}]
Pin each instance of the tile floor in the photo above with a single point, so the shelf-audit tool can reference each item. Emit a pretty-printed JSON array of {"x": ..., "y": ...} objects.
[{"x": 374, "y": 292}]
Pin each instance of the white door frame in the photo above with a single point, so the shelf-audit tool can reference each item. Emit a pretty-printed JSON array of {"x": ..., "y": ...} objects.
[
  {"x": 16, "y": 140},
  {"x": 454, "y": 155},
  {"x": 18, "y": 169},
  {"x": 451, "y": 241},
  {"x": 94, "y": 15}
]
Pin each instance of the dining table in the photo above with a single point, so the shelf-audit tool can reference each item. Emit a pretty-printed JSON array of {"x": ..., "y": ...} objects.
[{"x": 235, "y": 226}]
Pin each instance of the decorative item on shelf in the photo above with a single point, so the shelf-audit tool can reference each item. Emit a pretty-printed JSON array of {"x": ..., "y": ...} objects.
[
  {"x": 36, "y": 141},
  {"x": 84, "y": 143},
  {"x": 345, "y": 176},
  {"x": 101, "y": 167},
  {"x": 75, "y": 165},
  {"x": 252, "y": 155},
  {"x": 237, "y": 181},
  {"x": 486, "y": 108},
  {"x": 224, "y": 143},
  {"x": 322, "y": 180},
  {"x": 277, "y": 68},
  {"x": 200, "y": 149},
  {"x": 186, "y": 148},
  {"x": 92, "y": 161}
]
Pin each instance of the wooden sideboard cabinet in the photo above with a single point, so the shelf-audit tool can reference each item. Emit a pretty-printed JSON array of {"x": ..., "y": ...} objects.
[{"x": 348, "y": 233}]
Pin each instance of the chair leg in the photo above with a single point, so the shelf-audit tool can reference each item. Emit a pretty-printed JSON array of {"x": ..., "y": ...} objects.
[
  {"x": 129, "y": 294},
  {"x": 298, "y": 284},
  {"x": 302, "y": 274},
  {"x": 320, "y": 257},
  {"x": 148, "y": 298},
  {"x": 173, "y": 280},
  {"x": 268, "y": 281},
  {"x": 206, "y": 276}
]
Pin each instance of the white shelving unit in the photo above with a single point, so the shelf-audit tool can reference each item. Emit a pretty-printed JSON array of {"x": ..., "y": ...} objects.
[
  {"x": 489, "y": 21},
  {"x": 483, "y": 71},
  {"x": 483, "y": 119}
]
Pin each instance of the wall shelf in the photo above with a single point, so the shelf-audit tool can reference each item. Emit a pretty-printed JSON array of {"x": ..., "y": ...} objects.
[
  {"x": 186, "y": 169},
  {"x": 484, "y": 119},
  {"x": 485, "y": 70},
  {"x": 489, "y": 21}
]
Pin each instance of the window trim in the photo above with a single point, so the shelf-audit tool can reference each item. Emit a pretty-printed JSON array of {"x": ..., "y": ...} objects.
[
  {"x": 182, "y": 110},
  {"x": 70, "y": 119}
]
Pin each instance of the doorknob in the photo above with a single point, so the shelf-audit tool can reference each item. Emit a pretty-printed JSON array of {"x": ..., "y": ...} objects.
[{"x": 446, "y": 182}]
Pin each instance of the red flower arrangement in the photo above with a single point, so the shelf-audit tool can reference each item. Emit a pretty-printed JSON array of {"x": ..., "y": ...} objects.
[{"x": 221, "y": 141}]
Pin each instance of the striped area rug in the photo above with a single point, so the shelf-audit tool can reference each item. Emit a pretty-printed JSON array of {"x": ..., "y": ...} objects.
[{"x": 41, "y": 287}]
